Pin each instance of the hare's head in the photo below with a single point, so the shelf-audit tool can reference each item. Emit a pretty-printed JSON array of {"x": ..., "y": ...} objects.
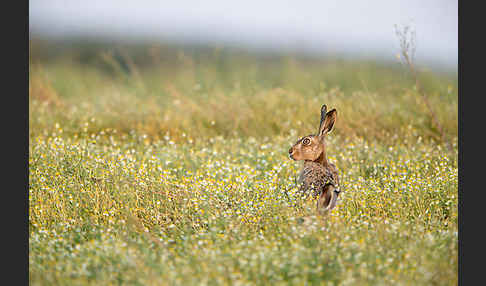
[{"x": 312, "y": 147}]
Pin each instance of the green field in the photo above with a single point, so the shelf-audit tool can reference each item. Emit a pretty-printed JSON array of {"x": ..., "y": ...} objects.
[{"x": 163, "y": 167}]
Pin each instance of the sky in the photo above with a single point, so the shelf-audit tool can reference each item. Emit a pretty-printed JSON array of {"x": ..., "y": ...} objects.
[{"x": 359, "y": 28}]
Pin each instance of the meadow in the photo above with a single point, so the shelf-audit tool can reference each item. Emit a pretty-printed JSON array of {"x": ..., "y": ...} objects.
[{"x": 157, "y": 167}]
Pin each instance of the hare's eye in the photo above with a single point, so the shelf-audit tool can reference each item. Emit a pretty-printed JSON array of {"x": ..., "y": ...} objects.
[{"x": 306, "y": 141}]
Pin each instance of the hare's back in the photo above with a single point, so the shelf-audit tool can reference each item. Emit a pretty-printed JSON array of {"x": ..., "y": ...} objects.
[
  {"x": 315, "y": 176},
  {"x": 334, "y": 173}
]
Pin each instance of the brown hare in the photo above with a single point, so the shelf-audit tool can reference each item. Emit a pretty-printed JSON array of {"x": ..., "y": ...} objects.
[{"x": 318, "y": 177}]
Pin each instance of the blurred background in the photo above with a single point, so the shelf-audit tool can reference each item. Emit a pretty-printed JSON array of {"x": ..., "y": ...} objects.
[
  {"x": 346, "y": 28},
  {"x": 179, "y": 56}
]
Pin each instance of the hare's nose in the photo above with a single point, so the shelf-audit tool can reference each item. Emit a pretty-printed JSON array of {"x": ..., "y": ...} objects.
[{"x": 291, "y": 150}]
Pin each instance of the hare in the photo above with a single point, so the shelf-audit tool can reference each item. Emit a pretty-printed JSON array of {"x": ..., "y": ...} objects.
[{"x": 318, "y": 177}]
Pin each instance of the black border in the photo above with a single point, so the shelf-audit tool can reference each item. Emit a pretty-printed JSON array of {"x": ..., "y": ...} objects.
[
  {"x": 470, "y": 174},
  {"x": 15, "y": 118},
  {"x": 460, "y": 159}
]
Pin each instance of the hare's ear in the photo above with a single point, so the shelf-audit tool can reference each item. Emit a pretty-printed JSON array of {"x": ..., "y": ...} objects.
[
  {"x": 327, "y": 121},
  {"x": 323, "y": 116}
]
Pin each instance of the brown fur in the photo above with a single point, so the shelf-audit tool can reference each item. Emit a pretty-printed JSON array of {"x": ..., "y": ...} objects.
[{"x": 318, "y": 177}]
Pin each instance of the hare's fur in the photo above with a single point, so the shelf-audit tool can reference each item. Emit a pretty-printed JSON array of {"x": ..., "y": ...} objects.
[{"x": 318, "y": 177}]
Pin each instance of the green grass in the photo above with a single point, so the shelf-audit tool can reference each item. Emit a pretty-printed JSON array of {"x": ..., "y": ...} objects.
[{"x": 181, "y": 176}]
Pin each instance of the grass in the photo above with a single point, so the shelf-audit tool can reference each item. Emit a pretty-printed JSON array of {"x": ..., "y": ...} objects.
[{"x": 180, "y": 175}]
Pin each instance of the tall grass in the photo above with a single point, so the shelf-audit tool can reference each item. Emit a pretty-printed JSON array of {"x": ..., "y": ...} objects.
[
  {"x": 178, "y": 174},
  {"x": 254, "y": 99}
]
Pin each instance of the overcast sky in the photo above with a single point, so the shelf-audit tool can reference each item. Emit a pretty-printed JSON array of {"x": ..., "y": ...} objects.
[{"x": 364, "y": 28}]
